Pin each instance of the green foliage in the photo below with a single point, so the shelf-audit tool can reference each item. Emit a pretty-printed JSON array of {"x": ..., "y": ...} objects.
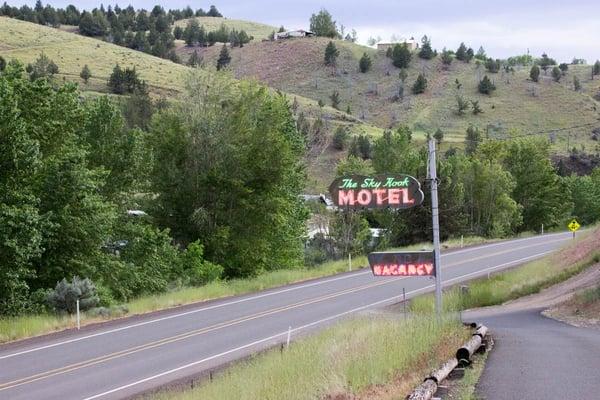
[
  {"x": 322, "y": 24},
  {"x": 227, "y": 172},
  {"x": 124, "y": 81},
  {"x": 426, "y": 51},
  {"x": 350, "y": 233},
  {"x": 2, "y": 64},
  {"x": 493, "y": 66},
  {"x": 335, "y": 99},
  {"x": 556, "y": 74},
  {"x": 93, "y": 24},
  {"x": 596, "y": 68},
  {"x": 576, "y": 83},
  {"x": 446, "y": 57},
  {"x": 461, "y": 104},
  {"x": 43, "y": 67},
  {"x": 195, "y": 60},
  {"x": 461, "y": 53},
  {"x": 545, "y": 62},
  {"x": 224, "y": 58},
  {"x": 476, "y": 108},
  {"x": 340, "y": 138},
  {"x": 354, "y": 165},
  {"x": 401, "y": 55},
  {"x": 331, "y": 54},
  {"x": 481, "y": 54},
  {"x": 196, "y": 269},
  {"x": 472, "y": 140},
  {"x": 365, "y": 63},
  {"x": 438, "y": 136},
  {"x": 393, "y": 152},
  {"x": 538, "y": 189},
  {"x": 534, "y": 73},
  {"x": 193, "y": 33},
  {"x": 585, "y": 195},
  {"x": 65, "y": 295},
  {"x": 564, "y": 67},
  {"x": 85, "y": 74},
  {"x": 486, "y": 86},
  {"x": 420, "y": 84}
]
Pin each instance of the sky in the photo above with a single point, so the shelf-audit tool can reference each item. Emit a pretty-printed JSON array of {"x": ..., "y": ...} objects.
[{"x": 563, "y": 29}]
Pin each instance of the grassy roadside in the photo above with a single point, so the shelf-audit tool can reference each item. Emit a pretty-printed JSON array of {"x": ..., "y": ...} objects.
[
  {"x": 528, "y": 279},
  {"x": 31, "y": 325},
  {"x": 366, "y": 357}
]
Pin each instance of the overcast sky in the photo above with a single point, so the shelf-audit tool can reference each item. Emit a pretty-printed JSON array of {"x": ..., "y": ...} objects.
[{"x": 563, "y": 29}]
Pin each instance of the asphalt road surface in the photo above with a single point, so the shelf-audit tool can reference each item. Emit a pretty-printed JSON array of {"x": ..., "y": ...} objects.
[
  {"x": 538, "y": 358},
  {"x": 131, "y": 356}
]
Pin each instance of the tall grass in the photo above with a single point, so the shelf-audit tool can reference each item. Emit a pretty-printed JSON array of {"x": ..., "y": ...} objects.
[
  {"x": 526, "y": 280},
  {"x": 345, "y": 359},
  {"x": 26, "y": 326}
]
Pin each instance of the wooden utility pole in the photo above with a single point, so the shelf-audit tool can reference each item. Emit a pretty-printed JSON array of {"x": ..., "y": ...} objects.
[{"x": 436, "y": 226}]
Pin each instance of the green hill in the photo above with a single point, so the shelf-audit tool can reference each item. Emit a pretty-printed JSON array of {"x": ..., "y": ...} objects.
[
  {"x": 25, "y": 41},
  {"x": 258, "y": 30},
  {"x": 518, "y": 105}
]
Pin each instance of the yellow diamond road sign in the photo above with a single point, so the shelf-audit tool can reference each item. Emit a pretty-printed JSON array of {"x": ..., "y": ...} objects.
[{"x": 574, "y": 225}]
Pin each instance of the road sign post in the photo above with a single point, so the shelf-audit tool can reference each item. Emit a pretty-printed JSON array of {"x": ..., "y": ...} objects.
[
  {"x": 574, "y": 226},
  {"x": 436, "y": 227}
]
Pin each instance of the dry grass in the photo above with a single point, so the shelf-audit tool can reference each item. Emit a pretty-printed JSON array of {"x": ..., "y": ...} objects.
[
  {"x": 363, "y": 358},
  {"x": 257, "y": 30},
  {"x": 296, "y": 66},
  {"x": 528, "y": 279}
]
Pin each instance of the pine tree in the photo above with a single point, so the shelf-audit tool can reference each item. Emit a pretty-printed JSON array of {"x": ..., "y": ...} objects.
[
  {"x": 596, "y": 68},
  {"x": 322, "y": 24},
  {"x": 85, "y": 74},
  {"x": 2, "y": 64},
  {"x": 481, "y": 54},
  {"x": 534, "y": 73},
  {"x": 472, "y": 140},
  {"x": 476, "y": 108},
  {"x": 116, "y": 82},
  {"x": 492, "y": 65},
  {"x": 563, "y": 68},
  {"x": 461, "y": 52},
  {"x": 446, "y": 57},
  {"x": 331, "y": 54},
  {"x": 556, "y": 74},
  {"x": 365, "y": 63},
  {"x": 194, "y": 59},
  {"x": 461, "y": 105},
  {"x": 426, "y": 51},
  {"x": 420, "y": 84},
  {"x": 335, "y": 99},
  {"x": 401, "y": 56},
  {"x": 224, "y": 58},
  {"x": 486, "y": 86},
  {"x": 438, "y": 136},
  {"x": 576, "y": 84}
]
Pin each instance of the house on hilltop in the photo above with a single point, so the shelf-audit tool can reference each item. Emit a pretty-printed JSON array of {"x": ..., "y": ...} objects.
[
  {"x": 293, "y": 34},
  {"x": 411, "y": 43}
]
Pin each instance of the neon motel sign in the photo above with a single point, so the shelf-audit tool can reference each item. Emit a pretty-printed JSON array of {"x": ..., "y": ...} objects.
[
  {"x": 416, "y": 263},
  {"x": 381, "y": 191}
]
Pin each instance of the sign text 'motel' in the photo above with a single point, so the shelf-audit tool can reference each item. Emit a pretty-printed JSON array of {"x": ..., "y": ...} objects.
[
  {"x": 416, "y": 263},
  {"x": 381, "y": 191}
]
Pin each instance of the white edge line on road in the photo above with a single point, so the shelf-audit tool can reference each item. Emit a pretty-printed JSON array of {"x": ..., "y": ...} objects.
[
  {"x": 213, "y": 357},
  {"x": 259, "y": 296}
]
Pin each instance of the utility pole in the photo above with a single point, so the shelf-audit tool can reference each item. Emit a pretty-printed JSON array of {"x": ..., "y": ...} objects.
[{"x": 436, "y": 227}]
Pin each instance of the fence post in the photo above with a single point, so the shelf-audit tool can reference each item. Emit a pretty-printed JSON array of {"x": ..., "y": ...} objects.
[{"x": 78, "y": 317}]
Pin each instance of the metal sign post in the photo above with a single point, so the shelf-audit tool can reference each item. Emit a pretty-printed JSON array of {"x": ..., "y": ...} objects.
[{"x": 436, "y": 227}]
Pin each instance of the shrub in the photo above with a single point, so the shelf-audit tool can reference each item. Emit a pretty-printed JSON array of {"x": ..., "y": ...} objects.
[
  {"x": 486, "y": 86},
  {"x": 365, "y": 63},
  {"x": 420, "y": 84},
  {"x": 64, "y": 296},
  {"x": 340, "y": 138},
  {"x": 199, "y": 271}
]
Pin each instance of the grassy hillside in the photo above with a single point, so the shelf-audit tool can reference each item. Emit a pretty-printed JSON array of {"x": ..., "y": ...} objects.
[
  {"x": 25, "y": 41},
  {"x": 296, "y": 66},
  {"x": 256, "y": 29}
]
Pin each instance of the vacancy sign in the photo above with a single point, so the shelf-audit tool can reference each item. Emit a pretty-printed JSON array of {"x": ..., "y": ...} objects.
[{"x": 416, "y": 263}]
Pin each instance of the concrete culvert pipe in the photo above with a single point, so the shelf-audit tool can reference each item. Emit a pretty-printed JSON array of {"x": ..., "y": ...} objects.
[{"x": 465, "y": 352}]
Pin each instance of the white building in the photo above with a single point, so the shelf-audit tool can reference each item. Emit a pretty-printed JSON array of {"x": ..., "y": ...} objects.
[
  {"x": 293, "y": 34},
  {"x": 411, "y": 43}
]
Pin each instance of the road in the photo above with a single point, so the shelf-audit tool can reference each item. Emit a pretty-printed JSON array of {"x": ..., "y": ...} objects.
[
  {"x": 538, "y": 358},
  {"x": 134, "y": 355}
]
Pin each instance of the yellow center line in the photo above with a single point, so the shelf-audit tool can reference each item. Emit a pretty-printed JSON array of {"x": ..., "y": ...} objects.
[{"x": 201, "y": 331}]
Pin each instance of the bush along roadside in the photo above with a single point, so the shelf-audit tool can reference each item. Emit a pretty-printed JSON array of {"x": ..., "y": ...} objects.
[{"x": 532, "y": 277}]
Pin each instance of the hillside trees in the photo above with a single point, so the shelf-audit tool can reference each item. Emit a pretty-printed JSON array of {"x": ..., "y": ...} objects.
[
  {"x": 85, "y": 74},
  {"x": 93, "y": 24},
  {"x": 596, "y": 69},
  {"x": 420, "y": 84},
  {"x": 322, "y": 24},
  {"x": 401, "y": 55},
  {"x": 556, "y": 74},
  {"x": 227, "y": 173},
  {"x": 331, "y": 54},
  {"x": 2, "y": 63},
  {"x": 224, "y": 58},
  {"x": 365, "y": 63},
  {"x": 43, "y": 67},
  {"x": 486, "y": 86},
  {"x": 446, "y": 57},
  {"x": 426, "y": 51},
  {"x": 534, "y": 73}
]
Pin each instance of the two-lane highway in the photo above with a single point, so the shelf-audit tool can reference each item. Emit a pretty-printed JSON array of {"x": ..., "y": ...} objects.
[{"x": 132, "y": 356}]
